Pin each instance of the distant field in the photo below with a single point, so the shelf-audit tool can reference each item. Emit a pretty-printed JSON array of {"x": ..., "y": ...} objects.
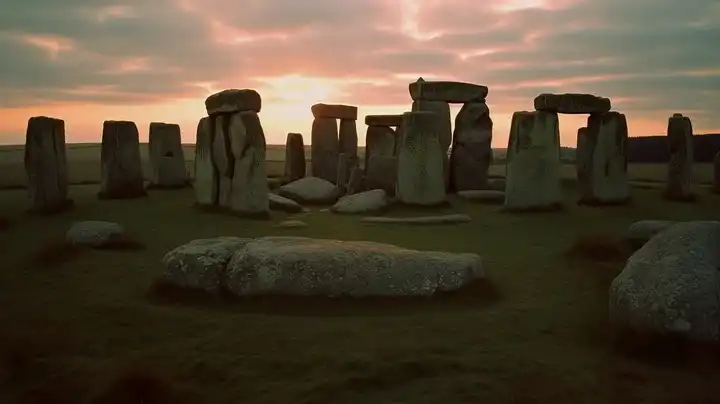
[{"x": 84, "y": 165}]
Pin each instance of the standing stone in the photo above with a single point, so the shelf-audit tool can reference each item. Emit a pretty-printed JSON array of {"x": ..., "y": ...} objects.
[
  {"x": 324, "y": 148},
  {"x": 348, "y": 138},
  {"x": 471, "y": 153},
  {"x": 381, "y": 173},
  {"x": 442, "y": 111},
  {"x": 249, "y": 189},
  {"x": 583, "y": 156},
  {"x": 716, "y": 173},
  {"x": 206, "y": 174},
  {"x": 679, "y": 179},
  {"x": 604, "y": 179},
  {"x": 420, "y": 160},
  {"x": 294, "y": 157},
  {"x": 379, "y": 141},
  {"x": 121, "y": 167},
  {"x": 223, "y": 158},
  {"x": 533, "y": 162},
  {"x": 343, "y": 173},
  {"x": 356, "y": 182},
  {"x": 46, "y": 165},
  {"x": 167, "y": 159}
]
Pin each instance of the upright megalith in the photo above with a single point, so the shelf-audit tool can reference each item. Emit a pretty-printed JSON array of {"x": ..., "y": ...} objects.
[
  {"x": 443, "y": 128},
  {"x": 420, "y": 179},
  {"x": 347, "y": 145},
  {"x": 583, "y": 156},
  {"x": 206, "y": 183},
  {"x": 121, "y": 166},
  {"x": 294, "y": 157},
  {"x": 533, "y": 162},
  {"x": 223, "y": 158},
  {"x": 572, "y": 103},
  {"x": 328, "y": 140},
  {"x": 604, "y": 179},
  {"x": 471, "y": 153},
  {"x": 249, "y": 190},
  {"x": 167, "y": 159},
  {"x": 46, "y": 165},
  {"x": 679, "y": 178}
]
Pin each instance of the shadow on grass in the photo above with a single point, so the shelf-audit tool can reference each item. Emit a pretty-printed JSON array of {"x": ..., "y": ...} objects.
[
  {"x": 670, "y": 350},
  {"x": 56, "y": 252},
  {"x": 482, "y": 292},
  {"x": 140, "y": 384},
  {"x": 600, "y": 248}
]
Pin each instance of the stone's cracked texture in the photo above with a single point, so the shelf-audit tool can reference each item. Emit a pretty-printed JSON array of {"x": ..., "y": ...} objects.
[
  {"x": 206, "y": 175},
  {"x": 167, "y": 159},
  {"x": 447, "y": 91},
  {"x": 572, "y": 103},
  {"x": 46, "y": 164},
  {"x": 233, "y": 100},
  {"x": 324, "y": 148},
  {"x": 249, "y": 189},
  {"x": 679, "y": 179},
  {"x": 383, "y": 120},
  {"x": 335, "y": 111},
  {"x": 121, "y": 173}
]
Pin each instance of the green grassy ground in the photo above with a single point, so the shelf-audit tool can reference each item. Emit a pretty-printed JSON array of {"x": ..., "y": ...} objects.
[{"x": 542, "y": 337}]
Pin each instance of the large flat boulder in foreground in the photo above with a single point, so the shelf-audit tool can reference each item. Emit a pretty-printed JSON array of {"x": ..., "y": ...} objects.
[
  {"x": 572, "y": 103},
  {"x": 318, "y": 267}
]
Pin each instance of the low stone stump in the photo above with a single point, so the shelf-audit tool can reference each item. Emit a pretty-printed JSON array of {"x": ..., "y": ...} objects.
[
  {"x": 46, "y": 165},
  {"x": 121, "y": 166}
]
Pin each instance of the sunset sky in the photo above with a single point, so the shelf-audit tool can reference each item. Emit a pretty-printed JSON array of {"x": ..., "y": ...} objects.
[{"x": 86, "y": 61}]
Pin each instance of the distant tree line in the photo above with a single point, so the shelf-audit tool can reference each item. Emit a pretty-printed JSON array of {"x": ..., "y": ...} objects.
[{"x": 654, "y": 149}]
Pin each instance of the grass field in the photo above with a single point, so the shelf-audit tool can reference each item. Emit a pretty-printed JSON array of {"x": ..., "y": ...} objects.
[{"x": 84, "y": 331}]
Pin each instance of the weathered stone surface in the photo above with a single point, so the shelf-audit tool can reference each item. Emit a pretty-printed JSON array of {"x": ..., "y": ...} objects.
[
  {"x": 716, "y": 173},
  {"x": 233, "y": 100},
  {"x": 381, "y": 173},
  {"x": 334, "y": 111},
  {"x": 679, "y": 179},
  {"x": 379, "y": 141},
  {"x": 324, "y": 148},
  {"x": 571, "y": 103},
  {"x": 583, "y": 156},
  {"x": 304, "y": 266},
  {"x": 46, "y": 164},
  {"x": 638, "y": 233},
  {"x": 348, "y": 138},
  {"x": 356, "y": 183},
  {"x": 420, "y": 220},
  {"x": 363, "y": 202},
  {"x": 223, "y": 159},
  {"x": 420, "y": 179},
  {"x": 447, "y": 91},
  {"x": 533, "y": 162},
  {"x": 206, "y": 182},
  {"x": 93, "y": 233},
  {"x": 281, "y": 203},
  {"x": 671, "y": 286},
  {"x": 442, "y": 109},
  {"x": 485, "y": 195},
  {"x": 471, "y": 153},
  {"x": 121, "y": 173},
  {"x": 167, "y": 159},
  {"x": 383, "y": 120},
  {"x": 294, "y": 157},
  {"x": 249, "y": 191},
  {"x": 604, "y": 178},
  {"x": 201, "y": 264},
  {"x": 310, "y": 190}
]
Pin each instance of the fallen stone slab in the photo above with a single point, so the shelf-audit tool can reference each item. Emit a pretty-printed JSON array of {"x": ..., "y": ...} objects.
[
  {"x": 336, "y": 111},
  {"x": 383, "y": 120},
  {"x": 94, "y": 233},
  {"x": 448, "y": 91},
  {"x": 363, "y": 202},
  {"x": 483, "y": 195},
  {"x": 281, "y": 203},
  {"x": 639, "y": 233},
  {"x": 444, "y": 219},
  {"x": 310, "y": 190},
  {"x": 291, "y": 224},
  {"x": 300, "y": 266},
  {"x": 233, "y": 100},
  {"x": 572, "y": 103}
]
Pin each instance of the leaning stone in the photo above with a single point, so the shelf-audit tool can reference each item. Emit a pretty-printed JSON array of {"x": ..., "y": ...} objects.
[
  {"x": 420, "y": 179},
  {"x": 206, "y": 175},
  {"x": 310, "y": 190},
  {"x": 471, "y": 153},
  {"x": 605, "y": 179},
  {"x": 383, "y": 120},
  {"x": 381, "y": 173},
  {"x": 122, "y": 175},
  {"x": 363, "y": 202},
  {"x": 533, "y": 162},
  {"x": 638, "y": 233},
  {"x": 294, "y": 157},
  {"x": 201, "y": 264},
  {"x": 679, "y": 179},
  {"x": 571, "y": 103},
  {"x": 167, "y": 159},
  {"x": 447, "y": 91},
  {"x": 46, "y": 165},
  {"x": 233, "y": 100},
  {"x": 94, "y": 233},
  {"x": 334, "y": 111},
  {"x": 249, "y": 190},
  {"x": 486, "y": 195},
  {"x": 302, "y": 266},
  {"x": 324, "y": 148},
  {"x": 669, "y": 287},
  {"x": 223, "y": 159},
  {"x": 281, "y": 203},
  {"x": 379, "y": 141},
  {"x": 348, "y": 138},
  {"x": 356, "y": 183},
  {"x": 421, "y": 220}
]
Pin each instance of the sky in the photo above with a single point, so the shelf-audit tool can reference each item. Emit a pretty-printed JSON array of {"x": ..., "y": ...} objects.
[{"x": 86, "y": 61}]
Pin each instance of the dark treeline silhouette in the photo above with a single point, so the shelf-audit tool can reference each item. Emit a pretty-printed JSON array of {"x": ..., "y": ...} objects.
[{"x": 654, "y": 149}]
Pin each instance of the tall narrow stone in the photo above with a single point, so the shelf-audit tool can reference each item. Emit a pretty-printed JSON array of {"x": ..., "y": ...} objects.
[
  {"x": 471, "y": 153},
  {"x": 121, "y": 167},
  {"x": 381, "y": 173},
  {"x": 249, "y": 189},
  {"x": 679, "y": 179},
  {"x": 223, "y": 158},
  {"x": 716, "y": 173},
  {"x": 356, "y": 182},
  {"x": 604, "y": 179},
  {"x": 294, "y": 157},
  {"x": 343, "y": 173},
  {"x": 533, "y": 162},
  {"x": 583, "y": 156},
  {"x": 46, "y": 165},
  {"x": 444, "y": 128},
  {"x": 380, "y": 141},
  {"x": 206, "y": 175},
  {"x": 167, "y": 159},
  {"x": 324, "y": 148},
  {"x": 420, "y": 160},
  {"x": 348, "y": 138}
]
